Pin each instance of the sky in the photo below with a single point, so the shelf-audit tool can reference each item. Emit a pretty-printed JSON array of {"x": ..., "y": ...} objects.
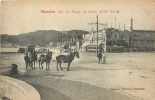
[{"x": 22, "y": 16}]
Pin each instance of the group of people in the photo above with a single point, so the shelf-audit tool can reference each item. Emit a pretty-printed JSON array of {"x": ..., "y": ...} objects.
[{"x": 32, "y": 57}]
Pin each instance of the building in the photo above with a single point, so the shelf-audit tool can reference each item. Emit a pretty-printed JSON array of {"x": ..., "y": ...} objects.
[
  {"x": 142, "y": 40},
  {"x": 117, "y": 40},
  {"x": 123, "y": 40},
  {"x": 134, "y": 40}
]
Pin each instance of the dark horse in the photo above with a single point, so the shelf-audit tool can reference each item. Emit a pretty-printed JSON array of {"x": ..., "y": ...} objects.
[
  {"x": 48, "y": 60},
  {"x": 45, "y": 59},
  {"x": 66, "y": 59},
  {"x": 41, "y": 60},
  {"x": 34, "y": 59},
  {"x": 30, "y": 60}
]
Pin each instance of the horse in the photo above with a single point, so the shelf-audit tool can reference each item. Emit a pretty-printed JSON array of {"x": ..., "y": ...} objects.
[
  {"x": 28, "y": 61},
  {"x": 34, "y": 59},
  {"x": 48, "y": 60},
  {"x": 66, "y": 59},
  {"x": 41, "y": 61},
  {"x": 45, "y": 59}
]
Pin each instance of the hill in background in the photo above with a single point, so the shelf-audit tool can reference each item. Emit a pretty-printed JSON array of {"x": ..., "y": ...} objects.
[{"x": 40, "y": 37}]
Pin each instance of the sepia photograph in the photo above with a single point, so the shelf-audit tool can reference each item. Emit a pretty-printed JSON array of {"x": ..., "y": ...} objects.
[{"x": 77, "y": 49}]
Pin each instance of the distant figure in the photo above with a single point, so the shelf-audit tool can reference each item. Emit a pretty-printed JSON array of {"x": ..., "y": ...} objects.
[
  {"x": 66, "y": 50},
  {"x": 100, "y": 53}
]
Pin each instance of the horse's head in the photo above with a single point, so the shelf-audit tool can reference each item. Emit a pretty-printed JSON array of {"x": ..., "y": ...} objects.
[{"x": 76, "y": 53}]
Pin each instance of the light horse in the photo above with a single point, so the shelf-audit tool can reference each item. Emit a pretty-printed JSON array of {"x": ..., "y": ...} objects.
[{"x": 66, "y": 59}]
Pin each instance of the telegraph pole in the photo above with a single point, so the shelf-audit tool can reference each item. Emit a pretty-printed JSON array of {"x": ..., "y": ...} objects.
[
  {"x": 115, "y": 23},
  {"x": 97, "y": 32}
]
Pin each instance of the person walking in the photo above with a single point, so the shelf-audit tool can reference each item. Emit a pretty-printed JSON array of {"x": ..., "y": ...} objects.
[{"x": 101, "y": 54}]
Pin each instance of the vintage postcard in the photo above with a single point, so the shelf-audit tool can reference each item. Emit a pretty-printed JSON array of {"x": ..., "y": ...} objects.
[{"x": 77, "y": 49}]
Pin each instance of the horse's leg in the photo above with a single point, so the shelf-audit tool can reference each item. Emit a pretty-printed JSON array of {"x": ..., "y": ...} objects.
[
  {"x": 101, "y": 59},
  {"x": 46, "y": 65},
  {"x": 34, "y": 64},
  {"x": 42, "y": 65},
  {"x": 104, "y": 59},
  {"x": 57, "y": 66},
  {"x": 68, "y": 68},
  {"x": 49, "y": 64},
  {"x": 26, "y": 65},
  {"x": 61, "y": 66},
  {"x": 31, "y": 65},
  {"x": 98, "y": 60},
  {"x": 39, "y": 64}
]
